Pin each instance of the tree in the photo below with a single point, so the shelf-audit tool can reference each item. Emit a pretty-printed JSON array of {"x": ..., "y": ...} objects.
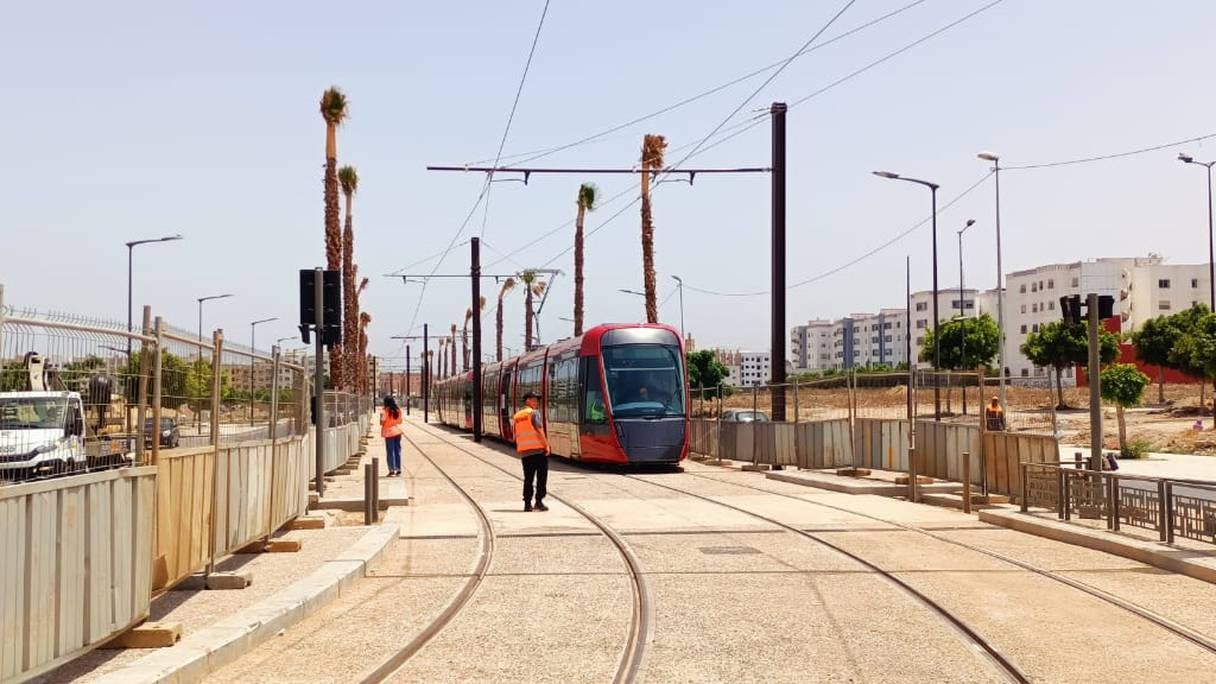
[
  {"x": 652, "y": 162},
  {"x": 705, "y": 372},
  {"x": 1195, "y": 351},
  {"x": 1157, "y": 338},
  {"x": 453, "y": 348},
  {"x": 1123, "y": 384},
  {"x": 348, "y": 178},
  {"x": 333, "y": 111},
  {"x": 464, "y": 331},
  {"x": 1062, "y": 346},
  {"x": 443, "y": 357},
  {"x": 533, "y": 287},
  {"x": 507, "y": 285},
  {"x": 364, "y": 367},
  {"x": 967, "y": 343},
  {"x": 586, "y": 202}
]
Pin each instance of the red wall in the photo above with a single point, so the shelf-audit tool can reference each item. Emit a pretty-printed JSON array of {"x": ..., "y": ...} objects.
[{"x": 1127, "y": 354}]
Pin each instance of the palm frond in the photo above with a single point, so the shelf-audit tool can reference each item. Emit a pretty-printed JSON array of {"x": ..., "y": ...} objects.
[
  {"x": 348, "y": 178},
  {"x": 507, "y": 286},
  {"x": 538, "y": 287},
  {"x": 362, "y": 283},
  {"x": 587, "y": 195},
  {"x": 481, "y": 304},
  {"x": 468, "y": 315},
  {"x": 653, "y": 147},
  {"x": 333, "y": 106},
  {"x": 528, "y": 277}
]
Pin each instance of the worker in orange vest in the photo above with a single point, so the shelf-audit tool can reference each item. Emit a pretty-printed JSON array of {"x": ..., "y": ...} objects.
[
  {"x": 533, "y": 450},
  {"x": 994, "y": 416}
]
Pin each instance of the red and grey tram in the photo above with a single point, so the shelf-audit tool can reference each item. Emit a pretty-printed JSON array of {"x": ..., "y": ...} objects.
[{"x": 616, "y": 394}]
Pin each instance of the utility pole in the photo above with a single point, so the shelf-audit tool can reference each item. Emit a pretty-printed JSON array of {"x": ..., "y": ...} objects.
[
  {"x": 1095, "y": 385},
  {"x": 777, "y": 112},
  {"x": 318, "y": 378},
  {"x": 475, "y": 278},
  {"x": 407, "y": 379},
  {"x": 426, "y": 374}
]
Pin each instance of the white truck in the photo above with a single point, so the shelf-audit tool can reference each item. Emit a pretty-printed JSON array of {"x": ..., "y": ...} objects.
[{"x": 44, "y": 432}]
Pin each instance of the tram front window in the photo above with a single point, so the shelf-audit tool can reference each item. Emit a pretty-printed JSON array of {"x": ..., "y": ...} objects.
[{"x": 645, "y": 380}]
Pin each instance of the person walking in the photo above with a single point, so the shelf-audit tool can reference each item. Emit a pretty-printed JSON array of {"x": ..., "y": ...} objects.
[
  {"x": 533, "y": 449},
  {"x": 390, "y": 430}
]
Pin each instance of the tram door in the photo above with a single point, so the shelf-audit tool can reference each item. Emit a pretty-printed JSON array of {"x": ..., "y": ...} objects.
[{"x": 504, "y": 408}]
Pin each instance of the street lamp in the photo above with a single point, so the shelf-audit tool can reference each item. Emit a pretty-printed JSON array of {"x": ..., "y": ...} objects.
[
  {"x": 200, "y": 315},
  {"x": 680, "y": 283},
  {"x": 962, "y": 309},
  {"x": 1188, "y": 159},
  {"x": 632, "y": 292},
  {"x": 1000, "y": 274},
  {"x": 130, "y": 256},
  {"x": 937, "y": 392},
  {"x": 252, "y": 358}
]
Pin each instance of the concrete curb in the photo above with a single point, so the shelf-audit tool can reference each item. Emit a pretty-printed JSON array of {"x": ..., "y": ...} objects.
[
  {"x": 846, "y": 485},
  {"x": 213, "y": 647},
  {"x": 1181, "y": 561}
]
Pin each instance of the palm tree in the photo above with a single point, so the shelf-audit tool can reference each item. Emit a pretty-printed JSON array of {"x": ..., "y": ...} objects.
[
  {"x": 533, "y": 287},
  {"x": 507, "y": 285},
  {"x": 364, "y": 319},
  {"x": 359, "y": 309},
  {"x": 586, "y": 203},
  {"x": 348, "y": 178},
  {"x": 453, "y": 348},
  {"x": 464, "y": 331},
  {"x": 652, "y": 161},
  {"x": 333, "y": 111}
]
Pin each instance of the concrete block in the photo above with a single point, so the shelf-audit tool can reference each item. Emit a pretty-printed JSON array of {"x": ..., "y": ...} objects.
[
  {"x": 853, "y": 472},
  {"x": 756, "y": 467},
  {"x": 307, "y": 522},
  {"x": 283, "y": 545},
  {"x": 920, "y": 479},
  {"x": 148, "y": 635},
  {"x": 229, "y": 580}
]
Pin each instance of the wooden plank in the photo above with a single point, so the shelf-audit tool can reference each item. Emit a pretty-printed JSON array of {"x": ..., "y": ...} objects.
[
  {"x": 71, "y": 577},
  {"x": 100, "y": 614},
  {"x": 179, "y": 561},
  {"x": 40, "y": 575},
  {"x": 121, "y": 549},
  {"x": 142, "y": 521},
  {"x": 219, "y": 517},
  {"x": 12, "y": 567}
]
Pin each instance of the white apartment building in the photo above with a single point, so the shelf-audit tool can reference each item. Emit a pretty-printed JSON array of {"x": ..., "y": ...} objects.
[
  {"x": 859, "y": 339},
  {"x": 949, "y": 305},
  {"x": 746, "y": 368},
  {"x": 1143, "y": 288},
  {"x": 811, "y": 346}
]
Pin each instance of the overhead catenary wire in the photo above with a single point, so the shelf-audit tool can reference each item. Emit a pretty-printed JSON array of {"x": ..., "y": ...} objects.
[
  {"x": 1106, "y": 157},
  {"x": 532, "y": 155}
]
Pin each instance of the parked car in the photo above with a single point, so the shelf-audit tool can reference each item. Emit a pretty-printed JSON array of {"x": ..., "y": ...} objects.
[
  {"x": 745, "y": 416},
  {"x": 170, "y": 434}
]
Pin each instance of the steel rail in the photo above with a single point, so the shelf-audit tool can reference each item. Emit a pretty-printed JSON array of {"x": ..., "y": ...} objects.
[
  {"x": 396, "y": 660},
  {"x": 1161, "y": 621},
  {"x": 998, "y": 660},
  {"x": 643, "y": 610}
]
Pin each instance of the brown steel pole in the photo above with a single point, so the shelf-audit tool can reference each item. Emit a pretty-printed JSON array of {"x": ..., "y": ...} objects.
[
  {"x": 475, "y": 276},
  {"x": 407, "y": 379},
  {"x": 426, "y": 374},
  {"x": 777, "y": 382}
]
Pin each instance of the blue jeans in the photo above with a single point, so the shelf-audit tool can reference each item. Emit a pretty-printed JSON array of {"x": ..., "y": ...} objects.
[{"x": 393, "y": 446}]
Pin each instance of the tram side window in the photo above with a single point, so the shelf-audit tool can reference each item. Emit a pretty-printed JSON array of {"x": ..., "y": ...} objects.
[
  {"x": 593, "y": 396},
  {"x": 563, "y": 390}
]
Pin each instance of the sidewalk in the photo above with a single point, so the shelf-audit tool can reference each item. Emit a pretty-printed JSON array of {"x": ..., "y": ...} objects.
[{"x": 1176, "y": 466}]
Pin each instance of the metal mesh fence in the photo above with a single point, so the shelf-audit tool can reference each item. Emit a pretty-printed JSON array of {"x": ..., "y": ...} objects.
[{"x": 74, "y": 395}]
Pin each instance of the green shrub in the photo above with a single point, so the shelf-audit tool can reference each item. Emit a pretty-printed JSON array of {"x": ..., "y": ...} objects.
[{"x": 1136, "y": 448}]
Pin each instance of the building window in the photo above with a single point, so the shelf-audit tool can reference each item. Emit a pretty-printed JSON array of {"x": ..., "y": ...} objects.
[
  {"x": 1163, "y": 283},
  {"x": 1025, "y": 372},
  {"x": 887, "y": 338},
  {"x": 1051, "y": 306},
  {"x": 1035, "y": 327},
  {"x": 1194, "y": 283},
  {"x": 1034, "y": 287},
  {"x": 920, "y": 325},
  {"x": 1163, "y": 305},
  {"x": 1076, "y": 282},
  {"x": 1022, "y": 289},
  {"x": 1051, "y": 284},
  {"x": 886, "y": 326},
  {"x": 920, "y": 341},
  {"x": 1023, "y": 329},
  {"x": 1040, "y": 284},
  {"x": 1034, "y": 308},
  {"x": 1023, "y": 308},
  {"x": 921, "y": 306}
]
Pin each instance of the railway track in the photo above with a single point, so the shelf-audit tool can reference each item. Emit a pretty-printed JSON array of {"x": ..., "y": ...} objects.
[
  {"x": 642, "y": 609},
  {"x": 998, "y": 661},
  {"x": 1155, "y": 618}
]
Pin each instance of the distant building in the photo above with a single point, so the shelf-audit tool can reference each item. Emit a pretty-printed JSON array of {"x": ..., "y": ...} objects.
[{"x": 745, "y": 368}]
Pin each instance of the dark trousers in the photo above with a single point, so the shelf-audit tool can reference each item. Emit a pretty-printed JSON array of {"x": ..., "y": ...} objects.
[{"x": 535, "y": 465}]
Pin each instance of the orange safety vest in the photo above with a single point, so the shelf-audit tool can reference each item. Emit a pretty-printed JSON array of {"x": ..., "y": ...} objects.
[
  {"x": 389, "y": 426},
  {"x": 527, "y": 438}
]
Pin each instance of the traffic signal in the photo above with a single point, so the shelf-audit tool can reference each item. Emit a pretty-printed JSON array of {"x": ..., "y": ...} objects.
[
  {"x": 1070, "y": 309},
  {"x": 331, "y": 286}
]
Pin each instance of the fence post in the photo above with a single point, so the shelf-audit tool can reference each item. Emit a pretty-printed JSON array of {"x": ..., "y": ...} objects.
[
  {"x": 217, "y": 351},
  {"x": 1114, "y": 502},
  {"x": 755, "y": 392},
  {"x": 272, "y": 429},
  {"x": 967, "y": 482},
  {"x": 1025, "y": 489},
  {"x": 1163, "y": 531},
  {"x": 1169, "y": 510},
  {"x": 141, "y": 393},
  {"x": 913, "y": 485},
  {"x": 157, "y": 389},
  {"x": 719, "y": 437},
  {"x": 1065, "y": 495},
  {"x": 1, "y": 316}
]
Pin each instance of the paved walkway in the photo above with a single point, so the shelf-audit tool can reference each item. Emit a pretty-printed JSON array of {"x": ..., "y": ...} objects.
[{"x": 738, "y": 578}]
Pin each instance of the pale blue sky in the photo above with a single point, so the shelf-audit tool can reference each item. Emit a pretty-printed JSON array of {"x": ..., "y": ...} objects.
[{"x": 130, "y": 120}]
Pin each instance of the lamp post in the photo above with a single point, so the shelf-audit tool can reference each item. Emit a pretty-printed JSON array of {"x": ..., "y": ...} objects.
[
  {"x": 962, "y": 311},
  {"x": 130, "y": 258},
  {"x": 937, "y": 392},
  {"x": 680, "y": 283},
  {"x": 1188, "y": 159},
  {"x": 252, "y": 359},
  {"x": 1000, "y": 274},
  {"x": 200, "y": 316}
]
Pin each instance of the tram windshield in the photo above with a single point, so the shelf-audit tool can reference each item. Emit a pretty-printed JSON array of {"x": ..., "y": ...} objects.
[{"x": 645, "y": 380}]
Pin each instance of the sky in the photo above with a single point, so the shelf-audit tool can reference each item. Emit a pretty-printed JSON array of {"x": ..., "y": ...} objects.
[{"x": 131, "y": 120}]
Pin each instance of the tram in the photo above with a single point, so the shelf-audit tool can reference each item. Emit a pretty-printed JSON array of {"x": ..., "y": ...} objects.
[{"x": 618, "y": 393}]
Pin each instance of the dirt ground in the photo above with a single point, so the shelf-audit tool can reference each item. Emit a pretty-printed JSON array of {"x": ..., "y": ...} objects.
[{"x": 1164, "y": 427}]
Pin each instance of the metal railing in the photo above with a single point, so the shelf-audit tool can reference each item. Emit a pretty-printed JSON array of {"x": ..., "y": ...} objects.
[{"x": 1170, "y": 507}]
